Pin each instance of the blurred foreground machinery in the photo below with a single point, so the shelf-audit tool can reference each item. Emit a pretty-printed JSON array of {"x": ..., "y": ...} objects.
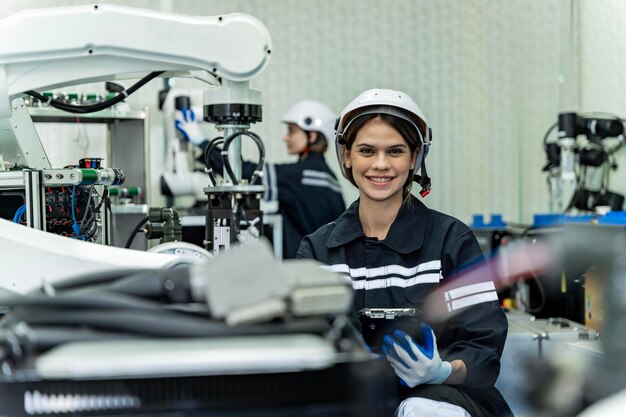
[{"x": 220, "y": 338}]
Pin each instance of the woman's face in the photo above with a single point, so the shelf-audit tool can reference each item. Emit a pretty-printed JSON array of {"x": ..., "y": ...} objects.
[
  {"x": 295, "y": 139},
  {"x": 380, "y": 159}
]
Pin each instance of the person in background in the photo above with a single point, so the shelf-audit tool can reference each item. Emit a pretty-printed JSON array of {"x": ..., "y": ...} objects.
[
  {"x": 307, "y": 191},
  {"x": 397, "y": 251}
]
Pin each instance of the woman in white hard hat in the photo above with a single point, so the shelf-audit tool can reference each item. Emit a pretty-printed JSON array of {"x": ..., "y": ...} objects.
[
  {"x": 396, "y": 251},
  {"x": 307, "y": 191}
]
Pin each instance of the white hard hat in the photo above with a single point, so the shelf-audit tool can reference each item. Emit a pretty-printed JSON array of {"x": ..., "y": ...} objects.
[
  {"x": 394, "y": 103},
  {"x": 311, "y": 115},
  {"x": 378, "y": 100}
]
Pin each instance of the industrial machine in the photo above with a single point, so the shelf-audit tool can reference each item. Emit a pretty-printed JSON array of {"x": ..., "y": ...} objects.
[
  {"x": 140, "y": 44},
  {"x": 580, "y": 170},
  {"x": 247, "y": 338}
]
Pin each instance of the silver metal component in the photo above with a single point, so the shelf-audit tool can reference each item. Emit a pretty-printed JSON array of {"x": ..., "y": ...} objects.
[
  {"x": 235, "y": 189},
  {"x": 260, "y": 288},
  {"x": 387, "y": 313},
  {"x": 221, "y": 238},
  {"x": 35, "y": 200},
  {"x": 58, "y": 177},
  {"x": 233, "y": 92},
  {"x": 19, "y": 140},
  {"x": 185, "y": 250}
]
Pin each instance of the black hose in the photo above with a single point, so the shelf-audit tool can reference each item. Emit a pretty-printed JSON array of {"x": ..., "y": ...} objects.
[
  {"x": 545, "y": 137},
  {"x": 261, "y": 148},
  {"x": 167, "y": 323},
  {"x": 207, "y": 156},
  {"x": 81, "y": 299},
  {"x": 98, "y": 106},
  {"x": 94, "y": 279},
  {"x": 135, "y": 231}
]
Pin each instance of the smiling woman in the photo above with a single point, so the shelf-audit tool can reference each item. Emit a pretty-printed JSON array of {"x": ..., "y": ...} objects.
[
  {"x": 380, "y": 161},
  {"x": 397, "y": 251}
]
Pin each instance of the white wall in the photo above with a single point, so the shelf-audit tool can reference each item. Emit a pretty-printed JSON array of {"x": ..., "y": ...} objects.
[{"x": 490, "y": 75}]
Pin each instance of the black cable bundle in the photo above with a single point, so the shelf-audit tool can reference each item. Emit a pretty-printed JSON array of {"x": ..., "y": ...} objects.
[
  {"x": 118, "y": 305},
  {"x": 98, "y": 106}
]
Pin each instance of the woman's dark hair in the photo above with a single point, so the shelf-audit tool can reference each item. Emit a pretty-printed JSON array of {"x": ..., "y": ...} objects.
[
  {"x": 406, "y": 130},
  {"x": 320, "y": 145}
]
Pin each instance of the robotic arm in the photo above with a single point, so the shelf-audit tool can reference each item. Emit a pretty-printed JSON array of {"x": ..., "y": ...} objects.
[{"x": 51, "y": 48}]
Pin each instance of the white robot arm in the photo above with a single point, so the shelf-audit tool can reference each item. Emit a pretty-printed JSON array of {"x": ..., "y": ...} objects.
[{"x": 55, "y": 47}]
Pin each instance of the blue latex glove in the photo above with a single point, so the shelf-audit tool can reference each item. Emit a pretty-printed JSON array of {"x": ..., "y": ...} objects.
[
  {"x": 188, "y": 127},
  {"x": 416, "y": 364}
]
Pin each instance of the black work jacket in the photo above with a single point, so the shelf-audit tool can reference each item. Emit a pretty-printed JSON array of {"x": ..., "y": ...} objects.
[
  {"x": 422, "y": 251},
  {"x": 308, "y": 195}
]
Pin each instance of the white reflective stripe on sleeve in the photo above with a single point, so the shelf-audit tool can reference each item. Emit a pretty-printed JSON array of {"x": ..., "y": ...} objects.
[
  {"x": 385, "y": 270},
  {"x": 469, "y": 290},
  {"x": 312, "y": 173},
  {"x": 321, "y": 183},
  {"x": 265, "y": 182},
  {"x": 319, "y": 174},
  {"x": 396, "y": 282},
  {"x": 273, "y": 183},
  {"x": 472, "y": 300}
]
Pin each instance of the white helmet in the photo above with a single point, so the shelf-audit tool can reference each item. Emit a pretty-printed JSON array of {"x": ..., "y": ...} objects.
[
  {"x": 394, "y": 103},
  {"x": 312, "y": 116}
]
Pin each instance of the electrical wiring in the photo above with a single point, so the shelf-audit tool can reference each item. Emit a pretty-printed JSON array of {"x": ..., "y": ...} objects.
[
  {"x": 87, "y": 207},
  {"x": 545, "y": 137},
  {"x": 75, "y": 227},
  {"x": 99, "y": 106},
  {"x": 19, "y": 213},
  {"x": 136, "y": 230}
]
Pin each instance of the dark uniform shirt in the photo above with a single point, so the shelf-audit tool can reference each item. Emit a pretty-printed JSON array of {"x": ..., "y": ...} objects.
[
  {"x": 307, "y": 191},
  {"x": 421, "y": 252}
]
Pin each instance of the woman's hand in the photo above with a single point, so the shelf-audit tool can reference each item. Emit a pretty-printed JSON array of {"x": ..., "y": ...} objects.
[{"x": 416, "y": 364}]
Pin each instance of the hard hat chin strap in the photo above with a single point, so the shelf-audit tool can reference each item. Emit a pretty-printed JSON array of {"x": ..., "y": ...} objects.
[
  {"x": 307, "y": 148},
  {"x": 422, "y": 179}
]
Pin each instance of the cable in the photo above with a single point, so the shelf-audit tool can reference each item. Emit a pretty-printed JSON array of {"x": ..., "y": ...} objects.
[
  {"x": 135, "y": 231},
  {"x": 99, "y": 106},
  {"x": 19, "y": 213},
  {"x": 82, "y": 222},
  {"x": 261, "y": 148},
  {"x": 545, "y": 137},
  {"x": 75, "y": 227},
  {"x": 579, "y": 186},
  {"x": 207, "y": 156},
  {"x": 542, "y": 294}
]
